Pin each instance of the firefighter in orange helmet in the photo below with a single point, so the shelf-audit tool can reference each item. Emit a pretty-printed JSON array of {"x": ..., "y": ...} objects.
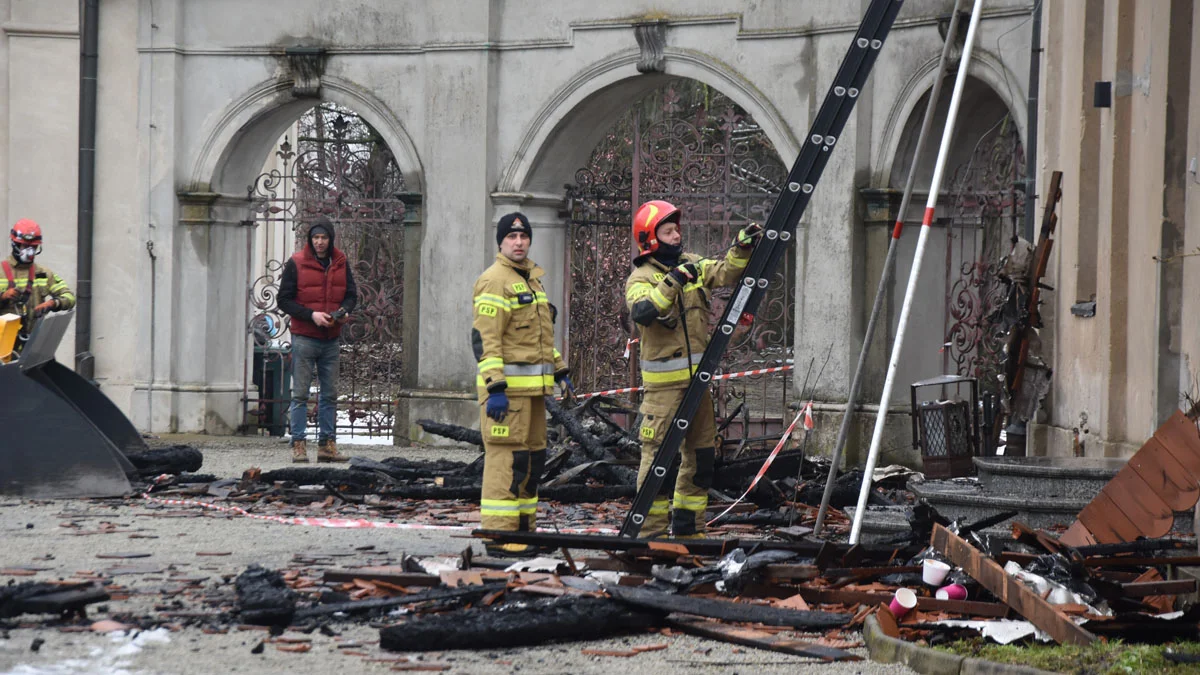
[
  {"x": 28, "y": 289},
  {"x": 669, "y": 298}
]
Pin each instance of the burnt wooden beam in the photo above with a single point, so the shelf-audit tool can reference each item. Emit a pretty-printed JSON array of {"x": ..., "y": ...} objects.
[
  {"x": 48, "y": 598},
  {"x": 461, "y": 595},
  {"x": 713, "y": 547},
  {"x": 740, "y": 635},
  {"x": 1008, "y": 589},
  {"x": 1142, "y": 589},
  {"x": 820, "y": 596},
  {"x": 565, "y": 618},
  {"x": 1132, "y": 561},
  {"x": 727, "y": 610},
  {"x": 453, "y": 432},
  {"x": 860, "y": 573},
  {"x": 391, "y": 575}
]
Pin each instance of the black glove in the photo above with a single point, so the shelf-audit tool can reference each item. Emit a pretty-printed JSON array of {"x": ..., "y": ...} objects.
[
  {"x": 685, "y": 273},
  {"x": 746, "y": 238}
]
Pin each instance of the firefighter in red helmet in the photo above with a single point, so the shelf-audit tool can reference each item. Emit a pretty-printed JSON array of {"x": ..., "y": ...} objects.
[
  {"x": 28, "y": 289},
  {"x": 669, "y": 295}
]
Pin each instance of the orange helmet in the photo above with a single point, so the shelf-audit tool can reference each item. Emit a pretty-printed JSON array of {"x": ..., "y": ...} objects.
[
  {"x": 646, "y": 221},
  {"x": 26, "y": 233}
]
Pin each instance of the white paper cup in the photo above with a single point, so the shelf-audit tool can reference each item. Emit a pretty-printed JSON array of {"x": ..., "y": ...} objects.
[{"x": 933, "y": 572}]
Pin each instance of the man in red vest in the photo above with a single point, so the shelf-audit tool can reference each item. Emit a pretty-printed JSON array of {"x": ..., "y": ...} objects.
[{"x": 318, "y": 292}]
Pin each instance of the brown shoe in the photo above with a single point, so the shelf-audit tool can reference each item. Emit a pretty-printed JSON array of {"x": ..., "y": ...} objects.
[
  {"x": 299, "y": 452},
  {"x": 327, "y": 452}
]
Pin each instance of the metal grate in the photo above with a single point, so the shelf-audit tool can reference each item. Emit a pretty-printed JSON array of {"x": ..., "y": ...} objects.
[{"x": 945, "y": 429}]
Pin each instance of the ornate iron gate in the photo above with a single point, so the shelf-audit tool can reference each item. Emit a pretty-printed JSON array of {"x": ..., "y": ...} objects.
[
  {"x": 691, "y": 146},
  {"x": 988, "y": 209},
  {"x": 341, "y": 169}
]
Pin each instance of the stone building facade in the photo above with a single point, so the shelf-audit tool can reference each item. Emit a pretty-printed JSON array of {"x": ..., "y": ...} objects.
[
  {"x": 488, "y": 106},
  {"x": 1130, "y": 220}
]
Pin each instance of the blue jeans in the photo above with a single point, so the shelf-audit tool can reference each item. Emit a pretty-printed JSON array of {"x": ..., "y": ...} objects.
[{"x": 310, "y": 354}]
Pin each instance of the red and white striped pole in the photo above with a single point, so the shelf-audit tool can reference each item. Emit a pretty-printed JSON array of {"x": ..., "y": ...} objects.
[{"x": 934, "y": 185}]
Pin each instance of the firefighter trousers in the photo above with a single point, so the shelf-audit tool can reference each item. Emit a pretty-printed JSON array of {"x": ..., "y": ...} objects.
[
  {"x": 682, "y": 503},
  {"x": 513, "y": 461}
]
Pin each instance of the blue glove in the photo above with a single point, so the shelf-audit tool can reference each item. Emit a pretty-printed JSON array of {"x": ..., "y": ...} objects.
[
  {"x": 497, "y": 405},
  {"x": 564, "y": 381}
]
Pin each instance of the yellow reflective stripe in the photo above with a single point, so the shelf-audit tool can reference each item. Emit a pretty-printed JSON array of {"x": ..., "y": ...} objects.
[
  {"x": 695, "y": 285},
  {"x": 659, "y": 507},
  {"x": 660, "y": 301},
  {"x": 538, "y": 295},
  {"x": 499, "y": 507},
  {"x": 557, "y": 354},
  {"x": 529, "y": 505},
  {"x": 681, "y": 375},
  {"x": 691, "y": 503},
  {"x": 736, "y": 260},
  {"x": 638, "y": 291},
  {"x": 493, "y": 363},
  {"x": 522, "y": 381},
  {"x": 493, "y": 300}
]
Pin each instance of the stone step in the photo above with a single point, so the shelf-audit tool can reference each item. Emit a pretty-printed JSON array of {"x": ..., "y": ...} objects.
[
  {"x": 967, "y": 500},
  {"x": 1063, "y": 478}
]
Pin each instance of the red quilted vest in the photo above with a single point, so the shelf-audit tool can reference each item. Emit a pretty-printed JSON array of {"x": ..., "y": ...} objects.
[{"x": 319, "y": 289}]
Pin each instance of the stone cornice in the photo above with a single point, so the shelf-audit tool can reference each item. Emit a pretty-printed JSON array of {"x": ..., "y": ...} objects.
[
  {"x": 40, "y": 30},
  {"x": 737, "y": 20}
]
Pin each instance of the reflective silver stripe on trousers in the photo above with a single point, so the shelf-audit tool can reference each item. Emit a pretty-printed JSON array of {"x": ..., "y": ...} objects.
[
  {"x": 529, "y": 369},
  {"x": 670, "y": 364}
]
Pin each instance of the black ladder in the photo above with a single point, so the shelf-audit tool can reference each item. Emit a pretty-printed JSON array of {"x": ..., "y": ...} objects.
[{"x": 788, "y": 209}]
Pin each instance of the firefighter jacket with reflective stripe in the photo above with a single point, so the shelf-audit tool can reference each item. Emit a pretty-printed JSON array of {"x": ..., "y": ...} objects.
[
  {"x": 655, "y": 298},
  {"x": 318, "y": 289},
  {"x": 513, "y": 331},
  {"x": 45, "y": 284}
]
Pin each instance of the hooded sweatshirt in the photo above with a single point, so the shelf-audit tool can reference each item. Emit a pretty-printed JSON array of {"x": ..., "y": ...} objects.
[{"x": 311, "y": 284}]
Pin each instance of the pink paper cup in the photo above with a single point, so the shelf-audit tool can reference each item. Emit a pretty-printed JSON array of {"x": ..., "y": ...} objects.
[
  {"x": 934, "y": 572},
  {"x": 952, "y": 592},
  {"x": 903, "y": 602}
]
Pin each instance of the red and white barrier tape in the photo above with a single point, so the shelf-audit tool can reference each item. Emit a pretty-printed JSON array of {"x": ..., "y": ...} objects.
[
  {"x": 806, "y": 413},
  {"x": 726, "y": 376},
  {"x": 354, "y": 523}
]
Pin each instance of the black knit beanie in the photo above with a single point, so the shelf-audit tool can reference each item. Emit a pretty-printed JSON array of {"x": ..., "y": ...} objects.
[{"x": 513, "y": 222}]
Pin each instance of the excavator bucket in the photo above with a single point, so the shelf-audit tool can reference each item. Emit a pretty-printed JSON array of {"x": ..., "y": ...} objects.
[{"x": 59, "y": 435}]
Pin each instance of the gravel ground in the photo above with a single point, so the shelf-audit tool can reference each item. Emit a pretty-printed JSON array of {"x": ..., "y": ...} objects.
[{"x": 175, "y": 540}]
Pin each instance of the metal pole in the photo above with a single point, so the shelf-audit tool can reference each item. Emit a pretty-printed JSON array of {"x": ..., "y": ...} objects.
[
  {"x": 930, "y": 204},
  {"x": 1031, "y": 148},
  {"x": 889, "y": 266}
]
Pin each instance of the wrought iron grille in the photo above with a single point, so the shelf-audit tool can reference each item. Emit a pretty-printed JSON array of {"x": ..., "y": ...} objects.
[
  {"x": 691, "y": 146},
  {"x": 341, "y": 169},
  {"x": 988, "y": 206}
]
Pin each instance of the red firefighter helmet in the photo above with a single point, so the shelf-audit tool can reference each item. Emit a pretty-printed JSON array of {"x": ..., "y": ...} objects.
[
  {"x": 646, "y": 221},
  {"x": 26, "y": 233}
]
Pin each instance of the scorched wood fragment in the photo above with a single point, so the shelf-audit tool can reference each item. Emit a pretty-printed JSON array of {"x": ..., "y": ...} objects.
[
  {"x": 516, "y": 625},
  {"x": 726, "y": 610}
]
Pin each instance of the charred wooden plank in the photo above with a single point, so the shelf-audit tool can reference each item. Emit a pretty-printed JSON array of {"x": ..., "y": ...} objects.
[
  {"x": 391, "y": 575},
  {"x": 846, "y": 597},
  {"x": 726, "y": 610},
  {"x": 453, "y": 432},
  {"x": 461, "y": 595},
  {"x": 565, "y": 618},
  {"x": 47, "y": 598},
  {"x": 600, "y": 542},
  {"x": 759, "y": 639},
  {"x": 1144, "y": 589},
  {"x": 1011, "y": 591}
]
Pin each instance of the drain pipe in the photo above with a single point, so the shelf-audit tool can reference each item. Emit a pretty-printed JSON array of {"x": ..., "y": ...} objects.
[
  {"x": 1031, "y": 148},
  {"x": 85, "y": 362}
]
